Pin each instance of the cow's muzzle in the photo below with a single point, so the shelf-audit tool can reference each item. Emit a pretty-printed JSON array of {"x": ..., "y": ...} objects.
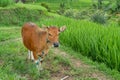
[{"x": 56, "y": 44}]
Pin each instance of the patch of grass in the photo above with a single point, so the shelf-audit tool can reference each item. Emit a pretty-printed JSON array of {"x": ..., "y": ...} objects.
[
  {"x": 8, "y": 56},
  {"x": 9, "y": 33},
  {"x": 62, "y": 60},
  {"x": 13, "y": 54}
]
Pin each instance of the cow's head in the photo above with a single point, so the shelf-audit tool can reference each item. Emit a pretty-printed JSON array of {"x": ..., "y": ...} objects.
[{"x": 53, "y": 34}]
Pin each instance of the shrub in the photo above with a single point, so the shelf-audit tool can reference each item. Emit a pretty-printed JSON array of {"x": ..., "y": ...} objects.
[
  {"x": 61, "y": 9},
  {"x": 69, "y": 13},
  {"x": 99, "y": 17},
  {"x": 62, "y": 5},
  {"x": 113, "y": 6},
  {"x": 4, "y": 3},
  {"x": 80, "y": 15}
]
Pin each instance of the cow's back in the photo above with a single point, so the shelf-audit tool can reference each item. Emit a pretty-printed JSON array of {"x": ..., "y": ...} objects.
[{"x": 30, "y": 36}]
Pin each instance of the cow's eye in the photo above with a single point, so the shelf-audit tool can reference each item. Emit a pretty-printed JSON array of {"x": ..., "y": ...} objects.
[{"x": 49, "y": 34}]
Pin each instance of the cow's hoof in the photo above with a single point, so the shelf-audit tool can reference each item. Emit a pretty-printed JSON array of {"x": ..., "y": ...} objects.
[
  {"x": 41, "y": 69},
  {"x": 32, "y": 60}
]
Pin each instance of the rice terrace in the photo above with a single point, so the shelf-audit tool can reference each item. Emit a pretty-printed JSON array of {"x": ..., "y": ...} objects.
[{"x": 66, "y": 39}]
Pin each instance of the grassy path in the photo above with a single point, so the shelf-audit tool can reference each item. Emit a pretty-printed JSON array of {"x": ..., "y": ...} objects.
[{"x": 57, "y": 65}]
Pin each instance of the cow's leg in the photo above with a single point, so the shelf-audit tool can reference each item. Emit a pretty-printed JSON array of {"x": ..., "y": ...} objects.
[
  {"x": 37, "y": 61},
  {"x": 45, "y": 52},
  {"x": 32, "y": 57},
  {"x": 29, "y": 54}
]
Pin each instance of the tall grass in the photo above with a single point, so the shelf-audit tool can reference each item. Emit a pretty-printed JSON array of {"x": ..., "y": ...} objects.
[{"x": 98, "y": 42}]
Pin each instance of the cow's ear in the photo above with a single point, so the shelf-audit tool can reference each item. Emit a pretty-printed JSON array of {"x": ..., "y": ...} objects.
[{"x": 62, "y": 28}]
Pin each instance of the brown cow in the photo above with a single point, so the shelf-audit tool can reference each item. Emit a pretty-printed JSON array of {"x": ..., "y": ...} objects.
[{"x": 39, "y": 40}]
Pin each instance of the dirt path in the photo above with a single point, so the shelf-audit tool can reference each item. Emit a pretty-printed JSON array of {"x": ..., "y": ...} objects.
[{"x": 89, "y": 71}]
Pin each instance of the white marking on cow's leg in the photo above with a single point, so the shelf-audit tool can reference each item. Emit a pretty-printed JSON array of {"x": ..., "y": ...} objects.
[
  {"x": 38, "y": 64},
  {"x": 29, "y": 52},
  {"x": 32, "y": 57}
]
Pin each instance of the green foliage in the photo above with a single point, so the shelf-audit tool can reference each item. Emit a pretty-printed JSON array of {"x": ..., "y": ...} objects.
[
  {"x": 76, "y": 14},
  {"x": 81, "y": 15},
  {"x": 4, "y": 3},
  {"x": 62, "y": 5},
  {"x": 99, "y": 17},
  {"x": 61, "y": 9},
  {"x": 69, "y": 13}
]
